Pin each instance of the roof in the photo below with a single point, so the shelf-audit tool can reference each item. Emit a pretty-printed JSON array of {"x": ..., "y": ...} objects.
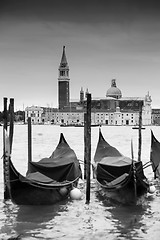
[
  {"x": 131, "y": 99},
  {"x": 109, "y": 98},
  {"x": 112, "y": 91},
  {"x": 63, "y": 59},
  {"x": 34, "y": 108}
]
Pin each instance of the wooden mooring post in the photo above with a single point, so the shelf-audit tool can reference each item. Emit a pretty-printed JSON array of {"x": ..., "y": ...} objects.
[
  {"x": 8, "y": 117},
  {"x": 87, "y": 143},
  {"x": 140, "y": 131},
  {"x": 11, "y": 122},
  {"x": 5, "y": 114},
  {"x": 29, "y": 141},
  {"x": 5, "y": 162}
]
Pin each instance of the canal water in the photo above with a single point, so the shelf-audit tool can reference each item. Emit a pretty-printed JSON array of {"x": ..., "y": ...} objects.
[{"x": 74, "y": 219}]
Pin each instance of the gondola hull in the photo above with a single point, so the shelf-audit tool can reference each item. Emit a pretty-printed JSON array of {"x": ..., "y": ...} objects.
[
  {"x": 26, "y": 192},
  {"x": 124, "y": 193}
]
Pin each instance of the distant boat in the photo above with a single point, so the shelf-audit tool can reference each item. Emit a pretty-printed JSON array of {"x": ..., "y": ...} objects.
[
  {"x": 78, "y": 125},
  {"x": 138, "y": 128},
  {"x": 66, "y": 125},
  {"x": 82, "y": 125}
]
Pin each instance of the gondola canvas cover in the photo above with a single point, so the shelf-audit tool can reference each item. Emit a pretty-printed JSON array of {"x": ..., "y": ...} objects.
[{"x": 61, "y": 165}]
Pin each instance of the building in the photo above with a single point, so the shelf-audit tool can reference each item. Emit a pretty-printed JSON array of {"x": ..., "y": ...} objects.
[
  {"x": 114, "y": 109},
  {"x": 49, "y": 115},
  {"x": 156, "y": 116},
  {"x": 35, "y": 113}
]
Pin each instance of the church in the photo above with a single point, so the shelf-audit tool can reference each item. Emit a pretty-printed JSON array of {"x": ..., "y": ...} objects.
[{"x": 113, "y": 109}]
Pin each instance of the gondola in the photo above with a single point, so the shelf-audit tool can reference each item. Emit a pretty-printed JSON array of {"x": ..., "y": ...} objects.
[
  {"x": 120, "y": 178},
  {"x": 155, "y": 155},
  {"x": 48, "y": 181}
]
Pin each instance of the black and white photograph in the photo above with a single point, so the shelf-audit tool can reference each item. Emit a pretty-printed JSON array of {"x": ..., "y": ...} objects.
[{"x": 80, "y": 119}]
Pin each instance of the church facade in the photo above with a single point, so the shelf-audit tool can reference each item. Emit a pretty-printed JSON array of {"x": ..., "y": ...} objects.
[{"x": 113, "y": 109}]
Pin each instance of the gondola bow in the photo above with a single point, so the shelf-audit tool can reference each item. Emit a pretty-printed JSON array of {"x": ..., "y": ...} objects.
[{"x": 155, "y": 155}]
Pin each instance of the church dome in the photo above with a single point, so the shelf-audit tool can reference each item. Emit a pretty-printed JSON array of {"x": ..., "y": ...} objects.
[{"x": 113, "y": 91}]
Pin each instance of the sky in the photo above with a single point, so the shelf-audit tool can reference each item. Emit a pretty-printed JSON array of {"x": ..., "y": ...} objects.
[{"x": 104, "y": 39}]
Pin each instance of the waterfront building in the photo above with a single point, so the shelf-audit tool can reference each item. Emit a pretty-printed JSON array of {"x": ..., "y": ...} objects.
[
  {"x": 70, "y": 118},
  {"x": 49, "y": 115},
  {"x": 35, "y": 113},
  {"x": 156, "y": 116}
]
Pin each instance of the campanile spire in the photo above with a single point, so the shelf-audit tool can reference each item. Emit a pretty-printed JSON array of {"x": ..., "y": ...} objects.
[
  {"x": 63, "y": 59},
  {"x": 63, "y": 82}
]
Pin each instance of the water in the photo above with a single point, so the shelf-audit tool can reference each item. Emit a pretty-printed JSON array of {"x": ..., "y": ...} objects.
[{"x": 101, "y": 219}]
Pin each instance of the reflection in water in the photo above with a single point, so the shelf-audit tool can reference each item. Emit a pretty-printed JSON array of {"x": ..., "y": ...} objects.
[
  {"x": 8, "y": 215},
  {"x": 22, "y": 220},
  {"x": 39, "y": 214},
  {"x": 101, "y": 219},
  {"x": 128, "y": 219}
]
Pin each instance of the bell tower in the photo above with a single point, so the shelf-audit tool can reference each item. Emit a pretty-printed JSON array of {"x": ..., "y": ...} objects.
[{"x": 63, "y": 82}]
